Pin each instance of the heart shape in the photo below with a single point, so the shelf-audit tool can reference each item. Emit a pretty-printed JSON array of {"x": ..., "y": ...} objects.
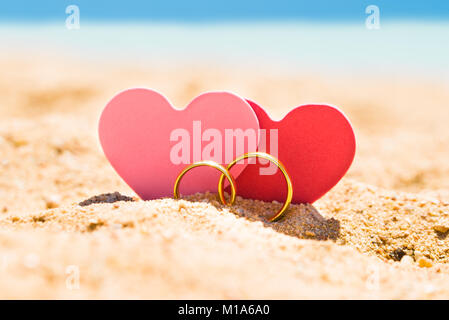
[
  {"x": 148, "y": 142},
  {"x": 316, "y": 144}
]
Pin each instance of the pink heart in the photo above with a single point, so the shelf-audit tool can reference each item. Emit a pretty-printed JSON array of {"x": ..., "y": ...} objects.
[
  {"x": 316, "y": 144},
  {"x": 145, "y": 139}
]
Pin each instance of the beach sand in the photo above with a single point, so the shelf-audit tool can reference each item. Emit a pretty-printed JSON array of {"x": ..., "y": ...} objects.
[{"x": 382, "y": 232}]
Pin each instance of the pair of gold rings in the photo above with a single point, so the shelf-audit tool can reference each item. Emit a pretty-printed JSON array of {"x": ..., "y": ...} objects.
[{"x": 225, "y": 173}]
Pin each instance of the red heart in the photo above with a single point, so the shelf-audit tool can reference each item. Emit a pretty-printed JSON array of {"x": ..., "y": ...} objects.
[
  {"x": 135, "y": 129},
  {"x": 316, "y": 144}
]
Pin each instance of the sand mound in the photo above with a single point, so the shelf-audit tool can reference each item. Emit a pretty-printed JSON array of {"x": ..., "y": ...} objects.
[{"x": 196, "y": 248}]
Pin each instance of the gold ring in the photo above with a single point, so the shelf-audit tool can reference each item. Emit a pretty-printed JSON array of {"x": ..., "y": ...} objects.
[
  {"x": 213, "y": 164},
  {"x": 278, "y": 164}
]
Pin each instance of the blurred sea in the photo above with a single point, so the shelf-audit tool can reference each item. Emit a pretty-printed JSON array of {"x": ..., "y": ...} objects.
[{"x": 401, "y": 47}]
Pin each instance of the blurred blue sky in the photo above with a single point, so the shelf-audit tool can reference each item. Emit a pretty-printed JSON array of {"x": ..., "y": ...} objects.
[{"x": 213, "y": 10}]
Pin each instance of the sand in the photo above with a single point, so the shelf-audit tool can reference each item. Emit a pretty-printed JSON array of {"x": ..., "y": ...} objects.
[{"x": 382, "y": 232}]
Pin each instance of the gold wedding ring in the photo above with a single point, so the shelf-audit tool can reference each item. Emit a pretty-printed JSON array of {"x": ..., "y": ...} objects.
[
  {"x": 225, "y": 173},
  {"x": 272, "y": 159},
  {"x": 213, "y": 164}
]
